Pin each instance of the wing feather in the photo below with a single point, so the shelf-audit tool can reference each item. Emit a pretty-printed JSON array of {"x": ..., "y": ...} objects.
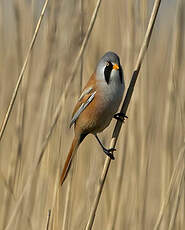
[
  {"x": 82, "y": 107},
  {"x": 85, "y": 92}
]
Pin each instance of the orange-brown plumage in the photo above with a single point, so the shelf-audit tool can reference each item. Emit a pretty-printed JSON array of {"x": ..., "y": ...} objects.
[
  {"x": 98, "y": 103},
  {"x": 90, "y": 83},
  {"x": 73, "y": 149}
]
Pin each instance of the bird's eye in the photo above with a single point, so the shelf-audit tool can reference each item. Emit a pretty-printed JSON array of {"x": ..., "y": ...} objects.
[{"x": 107, "y": 63}]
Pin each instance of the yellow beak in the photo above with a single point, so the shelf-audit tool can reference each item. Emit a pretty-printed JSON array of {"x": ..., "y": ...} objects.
[{"x": 115, "y": 66}]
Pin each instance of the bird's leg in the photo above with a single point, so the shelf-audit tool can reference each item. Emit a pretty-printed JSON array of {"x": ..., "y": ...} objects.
[
  {"x": 120, "y": 116},
  {"x": 108, "y": 152}
]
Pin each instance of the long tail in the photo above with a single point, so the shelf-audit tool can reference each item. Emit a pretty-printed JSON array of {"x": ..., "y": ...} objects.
[{"x": 74, "y": 147}]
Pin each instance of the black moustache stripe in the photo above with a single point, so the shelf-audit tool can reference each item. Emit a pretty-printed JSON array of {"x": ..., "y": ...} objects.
[{"x": 107, "y": 72}]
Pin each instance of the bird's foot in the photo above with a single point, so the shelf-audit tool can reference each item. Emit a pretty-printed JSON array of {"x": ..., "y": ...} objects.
[
  {"x": 109, "y": 152},
  {"x": 120, "y": 116}
]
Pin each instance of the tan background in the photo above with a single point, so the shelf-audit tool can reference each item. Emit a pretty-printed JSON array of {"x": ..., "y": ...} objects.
[{"x": 149, "y": 142}]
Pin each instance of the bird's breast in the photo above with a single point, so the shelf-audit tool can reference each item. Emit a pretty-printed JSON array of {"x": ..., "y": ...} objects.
[
  {"x": 110, "y": 96},
  {"x": 108, "y": 100},
  {"x": 99, "y": 113}
]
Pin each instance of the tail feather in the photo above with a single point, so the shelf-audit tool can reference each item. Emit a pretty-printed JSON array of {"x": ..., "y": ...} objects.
[{"x": 67, "y": 165}]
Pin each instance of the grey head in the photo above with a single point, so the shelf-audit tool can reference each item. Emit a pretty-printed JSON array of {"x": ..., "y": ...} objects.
[{"x": 109, "y": 68}]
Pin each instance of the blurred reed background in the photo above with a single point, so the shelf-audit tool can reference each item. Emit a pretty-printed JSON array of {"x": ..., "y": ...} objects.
[{"x": 150, "y": 140}]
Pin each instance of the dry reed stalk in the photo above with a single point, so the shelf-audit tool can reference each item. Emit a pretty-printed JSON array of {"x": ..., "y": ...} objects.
[
  {"x": 21, "y": 101},
  {"x": 6, "y": 185},
  {"x": 123, "y": 110},
  {"x": 26, "y": 189},
  {"x": 82, "y": 33},
  {"x": 143, "y": 157},
  {"x": 63, "y": 96},
  {"x": 15, "y": 172},
  {"x": 69, "y": 185},
  {"x": 114, "y": 206},
  {"x": 57, "y": 111},
  {"x": 177, "y": 199},
  {"x": 174, "y": 181},
  {"x": 66, "y": 207},
  {"x": 116, "y": 217},
  {"x": 10, "y": 194},
  {"x": 64, "y": 93},
  {"x": 117, "y": 192},
  {"x": 159, "y": 73},
  {"x": 171, "y": 105},
  {"x": 48, "y": 220},
  {"x": 54, "y": 209},
  {"x": 21, "y": 75},
  {"x": 53, "y": 17}
]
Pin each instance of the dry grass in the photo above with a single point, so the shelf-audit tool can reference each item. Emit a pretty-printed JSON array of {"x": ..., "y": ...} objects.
[
  {"x": 147, "y": 151},
  {"x": 123, "y": 110}
]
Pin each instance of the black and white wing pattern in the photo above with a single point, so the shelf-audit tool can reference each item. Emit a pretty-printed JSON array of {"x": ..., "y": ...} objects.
[{"x": 83, "y": 105}]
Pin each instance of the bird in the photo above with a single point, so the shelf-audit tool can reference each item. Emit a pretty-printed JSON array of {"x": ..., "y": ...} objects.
[{"x": 97, "y": 105}]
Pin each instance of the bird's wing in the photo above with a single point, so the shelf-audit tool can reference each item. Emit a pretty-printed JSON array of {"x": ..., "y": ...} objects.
[
  {"x": 85, "y": 99},
  {"x": 85, "y": 92}
]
